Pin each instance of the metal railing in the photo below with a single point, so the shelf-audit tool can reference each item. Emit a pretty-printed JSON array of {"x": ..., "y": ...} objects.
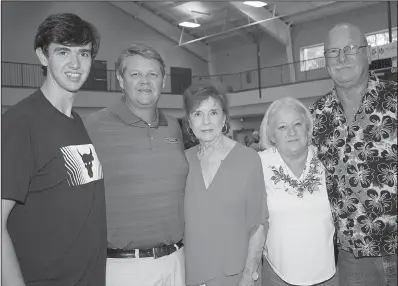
[
  {"x": 31, "y": 76},
  {"x": 271, "y": 76}
]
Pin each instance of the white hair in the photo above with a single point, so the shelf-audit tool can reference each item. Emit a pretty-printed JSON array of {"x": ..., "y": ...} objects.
[{"x": 266, "y": 131}]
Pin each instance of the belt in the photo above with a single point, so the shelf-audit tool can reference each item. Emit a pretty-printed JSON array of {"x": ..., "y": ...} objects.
[{"x": 155, "y": 252}]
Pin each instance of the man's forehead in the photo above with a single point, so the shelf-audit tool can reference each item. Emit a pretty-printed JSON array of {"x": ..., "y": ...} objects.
[
  {"x": 345, "y": 35},
  {"x": 136, "y": 61},
  {"x": 70, "y": 47}
]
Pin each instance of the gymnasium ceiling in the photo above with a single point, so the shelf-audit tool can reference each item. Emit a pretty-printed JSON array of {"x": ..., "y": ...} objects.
[{"x": 229, "y": 21}]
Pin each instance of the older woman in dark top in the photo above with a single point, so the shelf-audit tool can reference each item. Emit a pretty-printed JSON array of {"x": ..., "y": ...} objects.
[{"x": 224, "y": 197}]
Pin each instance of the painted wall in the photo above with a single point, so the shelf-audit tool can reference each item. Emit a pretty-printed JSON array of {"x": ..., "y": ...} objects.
[
  {"x": 235, "y": 55},
  {"x": 370, "y": 19},
  {"x": 254, "y": 122},
  {"x": 117, "y": 28},
  {"x": 241, "y": 104}
]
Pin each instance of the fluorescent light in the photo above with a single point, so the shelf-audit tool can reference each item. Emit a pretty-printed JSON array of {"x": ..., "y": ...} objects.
[
  {"x": 189, "y": 24},
  {"x": 255, "y": 3}
]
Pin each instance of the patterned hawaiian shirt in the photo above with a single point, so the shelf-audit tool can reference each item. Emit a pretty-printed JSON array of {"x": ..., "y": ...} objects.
[{"x": 361, "y": 158}]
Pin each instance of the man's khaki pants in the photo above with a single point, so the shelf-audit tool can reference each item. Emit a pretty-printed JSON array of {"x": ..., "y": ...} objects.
[{"x": 168, "y": 270}]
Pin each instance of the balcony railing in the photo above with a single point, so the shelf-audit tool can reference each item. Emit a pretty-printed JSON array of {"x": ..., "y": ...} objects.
[
  {"x": 31, "y": 76},
  {"x": 269, "y": 77}
]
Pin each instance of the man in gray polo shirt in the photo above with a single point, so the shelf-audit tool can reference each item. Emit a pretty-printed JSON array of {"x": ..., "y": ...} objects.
[{"x": 142, "y": 154}]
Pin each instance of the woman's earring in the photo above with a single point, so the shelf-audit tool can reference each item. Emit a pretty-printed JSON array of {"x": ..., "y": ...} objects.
[
  {"x": 273, "y": 145},
  {"x": 226, "y": 128},
  {"x": 188, "y": 129}
]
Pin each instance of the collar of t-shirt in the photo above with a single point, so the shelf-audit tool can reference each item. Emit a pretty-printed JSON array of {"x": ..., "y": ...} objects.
[{"x": 124, "y": 113}]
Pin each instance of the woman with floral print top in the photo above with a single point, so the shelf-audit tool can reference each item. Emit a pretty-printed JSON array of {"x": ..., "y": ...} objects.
[{"x": 299, "y": 248}]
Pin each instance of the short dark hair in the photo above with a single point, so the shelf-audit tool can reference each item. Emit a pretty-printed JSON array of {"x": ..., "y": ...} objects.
[
  {"x": 199, "y": 92},
  {"x": 141, "y": 50},
  {"x": 69, "y": 30}
]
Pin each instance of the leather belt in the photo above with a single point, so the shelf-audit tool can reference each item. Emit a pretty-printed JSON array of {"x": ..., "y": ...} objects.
[{"x": 155, "y": 252}]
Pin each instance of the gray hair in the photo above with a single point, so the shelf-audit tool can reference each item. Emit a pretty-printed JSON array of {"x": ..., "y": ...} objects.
[
  {"x": 265, "y": 131},
  {"x": 141, "y": 50}
]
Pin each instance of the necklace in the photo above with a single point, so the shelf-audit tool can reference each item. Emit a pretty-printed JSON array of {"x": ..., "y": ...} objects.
[{"x": 203, "y": 151}]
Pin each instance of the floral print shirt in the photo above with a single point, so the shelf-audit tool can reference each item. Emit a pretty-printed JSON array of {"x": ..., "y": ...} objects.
[{"x": 361, "y": 158}]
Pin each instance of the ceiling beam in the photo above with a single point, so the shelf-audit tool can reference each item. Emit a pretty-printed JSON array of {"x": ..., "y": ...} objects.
[
  {"x": 276, "y": 27},
  {"x": 163, "y": 27},
  {"x": 167, "y": 5}
]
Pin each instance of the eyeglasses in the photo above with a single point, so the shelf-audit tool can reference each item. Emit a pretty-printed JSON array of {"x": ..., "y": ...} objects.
[{"x": 348, "y": 50}]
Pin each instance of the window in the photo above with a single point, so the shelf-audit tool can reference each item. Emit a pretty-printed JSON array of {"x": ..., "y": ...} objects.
[
  {"x": 312, "y": 58},
  {"x": 381, "y": 37}
]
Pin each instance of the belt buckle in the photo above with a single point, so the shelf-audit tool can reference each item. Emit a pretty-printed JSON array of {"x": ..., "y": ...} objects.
[{"x": 160, "y": 251}]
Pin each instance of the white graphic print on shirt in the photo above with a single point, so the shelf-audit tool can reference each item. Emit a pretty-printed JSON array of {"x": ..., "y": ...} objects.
[{"x": 82, "y": 164}]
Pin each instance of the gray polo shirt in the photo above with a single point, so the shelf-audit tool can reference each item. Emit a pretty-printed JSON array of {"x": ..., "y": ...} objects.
[{"x": 145, "y": 172}]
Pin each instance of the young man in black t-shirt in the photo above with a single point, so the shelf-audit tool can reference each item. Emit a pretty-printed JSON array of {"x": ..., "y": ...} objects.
[{"x": 53, "y": 205}]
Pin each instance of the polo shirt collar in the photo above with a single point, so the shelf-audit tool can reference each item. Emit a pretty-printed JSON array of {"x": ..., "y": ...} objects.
[{"x": 121, "y": 110}]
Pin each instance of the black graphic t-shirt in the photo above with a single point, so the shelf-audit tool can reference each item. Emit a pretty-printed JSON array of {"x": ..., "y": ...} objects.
[{"x": 51, "y": 169}]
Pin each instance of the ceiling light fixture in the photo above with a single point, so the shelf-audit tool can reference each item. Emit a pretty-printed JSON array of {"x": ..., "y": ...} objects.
[
  {"x": 189, "y": 24},
  {"x": 255, "y": 3}
]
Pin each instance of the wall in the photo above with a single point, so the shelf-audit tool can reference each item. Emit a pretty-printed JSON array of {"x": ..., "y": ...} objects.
[
  {"x": 117, "y": 28},
  {"x": 232, "y": 56},
  {"x": 92, "y": 100},
  {"x": 241, "y": 104},
  {"x": 370, "y": 19},
  {"x": 235, "y": 55},
  {"x": 249, "y": 103},
  {"x": 254, "y": 122}
]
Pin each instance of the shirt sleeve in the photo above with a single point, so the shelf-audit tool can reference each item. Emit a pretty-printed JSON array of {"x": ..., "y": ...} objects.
[
  {"x": 255, "y": 196},
  {"x": 334, "y": 196},
  {"x": 89, "y": 122},
  {"x": 311, "y": 108},
  {"x": 17, "y": 160}
]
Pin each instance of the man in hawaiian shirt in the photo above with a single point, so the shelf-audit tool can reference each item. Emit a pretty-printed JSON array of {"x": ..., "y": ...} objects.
[{"x": 355, "y": 131}]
